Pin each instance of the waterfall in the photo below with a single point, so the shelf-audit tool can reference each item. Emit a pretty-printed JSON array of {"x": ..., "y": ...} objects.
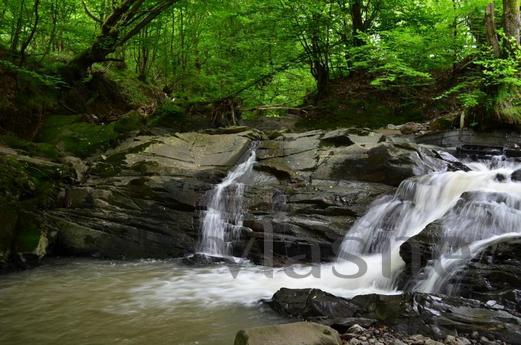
[
  {"x": 490, "y": 209},
  {"x": 476, "y": 208},
  {"x": 223, "y": 217}
]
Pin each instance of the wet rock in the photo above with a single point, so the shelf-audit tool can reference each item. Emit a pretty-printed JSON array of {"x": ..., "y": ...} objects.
[
  {"x": 142, "y": 199},
  {"x": 304, "y": 223},
  {"x": 311, "y": 304},
  {"x": 387, "y": 163},
  {"x": 418, "y": 250},
  {"x": 410, "y": 313},
  {"x": 493, "y": 277},
  {"x": 206, "y": 260},
  {"x": 516, "y": 176},
  {"x": 500, "y": 178},
  {"x": 301, "y": 333}
]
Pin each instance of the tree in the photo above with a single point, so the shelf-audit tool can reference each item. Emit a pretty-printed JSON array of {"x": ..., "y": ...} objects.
[
  {"x": 126, "y": 20},
  {"x": 512, "y": 19}
]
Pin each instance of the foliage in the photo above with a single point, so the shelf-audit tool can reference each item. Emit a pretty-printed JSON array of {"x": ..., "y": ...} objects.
[{"x": 271, "y": 54}]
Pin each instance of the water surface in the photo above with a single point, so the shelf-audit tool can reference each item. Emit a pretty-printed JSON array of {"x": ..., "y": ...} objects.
[{"x": 84, "y": 302}]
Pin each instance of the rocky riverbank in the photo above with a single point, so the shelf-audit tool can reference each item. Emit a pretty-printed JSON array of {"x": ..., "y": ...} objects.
[
  {"x": 143, "y": 198},
  {"x": 368, "y": 319}
]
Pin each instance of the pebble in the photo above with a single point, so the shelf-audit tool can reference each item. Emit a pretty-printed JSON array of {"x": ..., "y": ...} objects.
[
  {"x": 358, "y": 335},
  {"x": 356, "y": 329}
]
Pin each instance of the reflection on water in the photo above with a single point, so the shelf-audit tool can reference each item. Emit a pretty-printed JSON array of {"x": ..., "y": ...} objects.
[{"x": 84, "y": 302}]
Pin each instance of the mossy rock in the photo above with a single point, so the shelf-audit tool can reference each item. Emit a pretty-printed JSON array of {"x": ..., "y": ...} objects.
[
  {"x": 71, "y": 135},
  {"x": 28, "y": 233},
  {"x": 8, "y": 220}
]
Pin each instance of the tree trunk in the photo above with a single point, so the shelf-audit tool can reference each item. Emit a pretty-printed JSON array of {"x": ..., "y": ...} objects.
[
  {"x": 490, "y": 28},
  {"x": 30, "y": 38},
  {"x": 357, "y": 22},
  {"x": 125, "y": 21},
  {"x": 512, "y": 19},
  {"x": 17, "y": 29}
]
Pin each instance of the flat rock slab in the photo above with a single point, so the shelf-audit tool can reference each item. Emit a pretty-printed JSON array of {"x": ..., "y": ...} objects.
[{"x": 300, "y": 333}]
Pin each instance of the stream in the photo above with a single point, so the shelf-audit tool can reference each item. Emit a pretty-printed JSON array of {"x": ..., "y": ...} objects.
[
  {"x": 81, "y": 302},
  {"x": 87, "y": 301}
]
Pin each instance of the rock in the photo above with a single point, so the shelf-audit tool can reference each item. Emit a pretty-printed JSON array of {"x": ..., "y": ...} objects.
[
  {"x": 410, "y": 313},
  {"x": 79, "y": 167},
  {"x": 8, "y": 219},
  {"x": 455, "y": 138},
  {"x": 432, "y": 342},
  {"x": 516, "y": 176},
  {"x": 356, "y": 329},
  {"x": 301, "y": 333},
  {"x": 417, "y": 339},
  {"x": 493, "y": 277},
  {"x": 28, "y": 187},
  {"x": 417, "y": 251},
  {"x": 413, "y": 128},
  {"x": 311, "y": 304},
  {"x": 339, "y": 137},
  {"x": 500, "y": 178},
  {"x": 206, "y": 260},
  {"x": 452, "y": 340},
  {"x": 306, "y": 222},
  {"x": 386, "y": 162},
  {"x": 142, "y": 198}
]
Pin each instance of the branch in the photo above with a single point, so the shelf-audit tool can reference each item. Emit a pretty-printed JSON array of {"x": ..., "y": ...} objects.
[
  {"x": 90, "y": 14},
  {"x": 152, "y": 14}
]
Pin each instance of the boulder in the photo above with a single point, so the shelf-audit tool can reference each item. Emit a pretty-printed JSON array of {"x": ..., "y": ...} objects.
[
  {"x": 417, "y": 251},
  {"x": 494, "y": 276},
  {"x": 386, "y": 162},
  {"x": 300, "y": 333},
  {"x": 413, "y": 128},
  {"x": 516, "y": 176},
  {"x": 312, "y": 304},
  {"x": 410, "y": 313},
  {"x": 28, "y": 187}
]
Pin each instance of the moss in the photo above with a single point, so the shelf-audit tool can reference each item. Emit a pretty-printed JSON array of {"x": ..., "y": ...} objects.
[
  {"x": 116, "y": 162},
  {"x": 28, "y": 234},
  {"x": 32, "y": 149},
  {"x": 28, "y": 185},
  {"x": 8, "y": 219},
  {"x": 71, "y": 135},
  {"x": 133, "y": 121},
  {"x": 27, "y": 95},
  {"x": 169, "y": 115}
]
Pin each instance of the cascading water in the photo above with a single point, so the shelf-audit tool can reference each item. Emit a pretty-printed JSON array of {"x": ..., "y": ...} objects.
[
  {"x": 223, "y": 218},
  {"x": 490, "y": 208},
  {"x": 476, "y": 206}
]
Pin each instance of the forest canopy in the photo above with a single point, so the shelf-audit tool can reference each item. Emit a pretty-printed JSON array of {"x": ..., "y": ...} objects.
[{"x": 274, "y": 55}]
